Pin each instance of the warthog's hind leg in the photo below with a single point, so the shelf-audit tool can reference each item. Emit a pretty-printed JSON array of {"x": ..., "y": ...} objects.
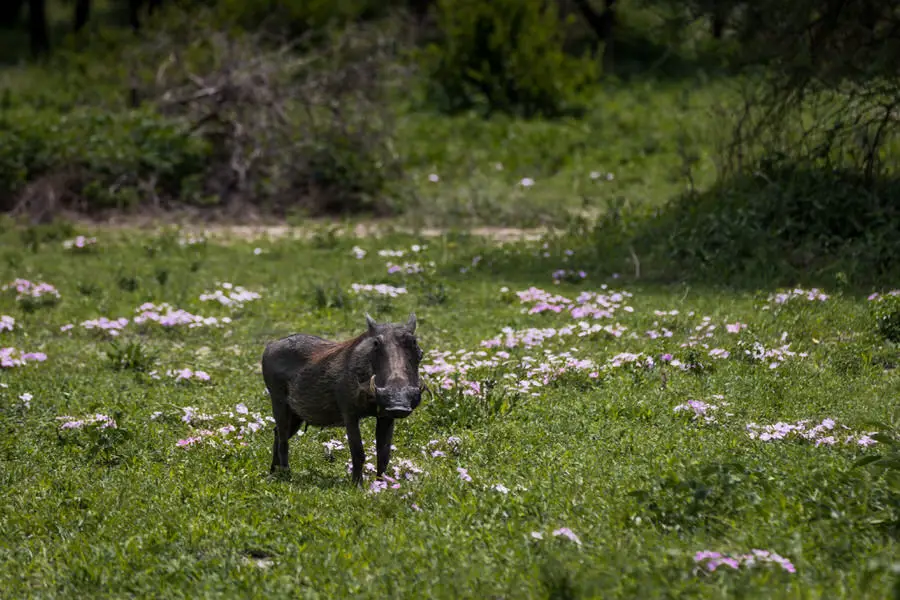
[
  {"x": 286, "y": 425},
  {"x": 357, "y": 453}
]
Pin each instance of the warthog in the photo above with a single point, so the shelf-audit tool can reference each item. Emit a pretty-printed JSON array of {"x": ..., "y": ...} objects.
[{"x": 328, "y": 384}]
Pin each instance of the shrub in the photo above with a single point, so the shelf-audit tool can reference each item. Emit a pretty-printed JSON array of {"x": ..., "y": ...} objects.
[
  {"x": 95, "y": 158},
  {"x": 227, "y": 120},
  {"x": 506, "y": 55},
  {"x": 781, "y": 219},
  {"x": 886, "y": 310},
  {"x": 287, "y": 130}
]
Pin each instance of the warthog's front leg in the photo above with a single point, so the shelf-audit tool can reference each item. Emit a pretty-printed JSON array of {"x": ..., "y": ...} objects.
[
  {"x": 384, "y": 434},
  {"x": 357, "y": 454}
]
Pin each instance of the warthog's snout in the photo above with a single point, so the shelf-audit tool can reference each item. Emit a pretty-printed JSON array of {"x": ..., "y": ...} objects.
[{"x": 399, "y": 404}]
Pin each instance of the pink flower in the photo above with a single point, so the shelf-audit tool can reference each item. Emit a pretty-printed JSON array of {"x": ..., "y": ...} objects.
[
  {"x": 735, "y": 327},
  {"x": 567, "y": 533},
  {"x": 714, "y": 560}
]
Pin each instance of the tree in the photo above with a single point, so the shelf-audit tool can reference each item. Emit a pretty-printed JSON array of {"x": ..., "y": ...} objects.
[
  {"x": 37, "y": 26},
  {"x": 10, "y": 10},
  {"x": 603, "y": 24},
  {"x": 82, "y": 13},
  {"x": 134, "y": 9},
  {"x": 836, "y": 61},
  {"x": 420, "y": 8}
]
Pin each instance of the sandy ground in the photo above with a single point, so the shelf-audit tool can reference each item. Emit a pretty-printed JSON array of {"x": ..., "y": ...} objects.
[{"x": 274, "y": 231}]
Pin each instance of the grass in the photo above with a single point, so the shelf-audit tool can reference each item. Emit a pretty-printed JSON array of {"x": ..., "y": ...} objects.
[
  {"x": 638, "y": 141},
  {"x": 126, "y": 512}
]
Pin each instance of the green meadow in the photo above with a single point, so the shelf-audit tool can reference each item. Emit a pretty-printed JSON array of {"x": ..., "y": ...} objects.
[
  {"x": 681, "y": 383},
  {"x": 588, "y": 433}
]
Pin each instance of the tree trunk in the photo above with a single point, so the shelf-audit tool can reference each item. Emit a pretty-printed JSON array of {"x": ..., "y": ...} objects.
[
  {"x": 10, "y": 10},
  {"x": 82, "y": 13},
  {"x": 134, "y": 7},
  {"x": 609, "y": 33},
  {"x": 420, "y": 8},
  {"x": 718, "y": 23},
  {"x": 603, "y": 24},
  {"x": 37, "y": 26}
]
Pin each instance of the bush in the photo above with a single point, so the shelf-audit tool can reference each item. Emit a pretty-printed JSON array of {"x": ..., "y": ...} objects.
[
  {"x": 886, "y": 310},
  {"x": 310, "y": 130},
  {"x": 227, "y": 121},
  {"x": 94, "y": 157},
  {"x": 782, "y": 218},
  {"x": 504, "y": 55}
]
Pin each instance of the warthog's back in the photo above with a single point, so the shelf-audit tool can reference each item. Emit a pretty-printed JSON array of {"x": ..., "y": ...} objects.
[
  {"x": 306, "y": 370},
  {"x": 287, "y": 356}
]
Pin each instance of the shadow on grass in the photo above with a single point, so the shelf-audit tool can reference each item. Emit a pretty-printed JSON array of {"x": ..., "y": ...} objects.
[
  {"x": 782, "y": 227},
  {"x": 311, "y": 477}
]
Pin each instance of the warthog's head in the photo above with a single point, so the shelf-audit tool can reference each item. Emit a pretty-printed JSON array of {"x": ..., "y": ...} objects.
[{"x": 395, "y": 356}]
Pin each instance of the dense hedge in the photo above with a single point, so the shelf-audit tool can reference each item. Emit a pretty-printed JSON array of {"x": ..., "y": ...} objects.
[
  {"x": 504, "y": 55},
  {"x": 783, "y": 218},
  {"x": 105, "y": 156}
]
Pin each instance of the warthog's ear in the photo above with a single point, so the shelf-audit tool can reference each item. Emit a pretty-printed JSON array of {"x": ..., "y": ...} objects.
[
  {"x": 411, "y": 324},
  {"x": 370, "y": 322}
]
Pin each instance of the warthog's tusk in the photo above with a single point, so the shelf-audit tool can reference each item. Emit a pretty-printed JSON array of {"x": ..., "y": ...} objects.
[{"x": 372, "y": 385}]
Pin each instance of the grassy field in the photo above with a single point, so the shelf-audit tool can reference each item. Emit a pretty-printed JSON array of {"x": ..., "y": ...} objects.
[{"x": 617, "y": 428}]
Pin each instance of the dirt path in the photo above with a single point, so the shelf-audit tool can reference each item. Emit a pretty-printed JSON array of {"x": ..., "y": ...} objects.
[
  {"x": 249, "y": 232},
  {"x": 225, "y": 231}
]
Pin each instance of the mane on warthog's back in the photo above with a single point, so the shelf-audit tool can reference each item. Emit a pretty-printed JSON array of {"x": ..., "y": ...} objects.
[{"x": 333, "y": 348}]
